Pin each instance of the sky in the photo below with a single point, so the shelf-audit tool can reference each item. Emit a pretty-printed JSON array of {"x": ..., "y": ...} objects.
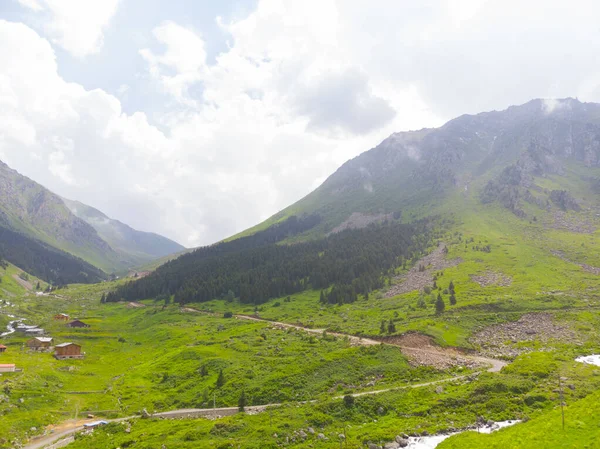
[{"x": 198, "y": 119}]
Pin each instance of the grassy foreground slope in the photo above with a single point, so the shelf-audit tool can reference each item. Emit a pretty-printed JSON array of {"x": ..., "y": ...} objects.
[{"x": 545, "y": 432}]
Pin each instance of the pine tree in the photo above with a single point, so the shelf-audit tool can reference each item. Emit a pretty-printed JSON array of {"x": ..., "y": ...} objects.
[
  {"x": 452, "y": 299},
  {"x": 440, "y": 305},
  {"x": 382, "y": 327},
  {"x": 391, "y": 327},
  {"x": 220, "y": 379},
  {"x": 242, "y": 401},
  {"x": 203, "y": 371},
  {"x": 451, "y": 287},
  {"x": 103, "y": 299},
  {"x": 322, "y": 299},
  {"x": 38, "y": 286}
]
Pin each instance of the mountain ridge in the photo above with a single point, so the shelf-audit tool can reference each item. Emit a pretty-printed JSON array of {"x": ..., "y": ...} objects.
[
  {"x": 39, "y": 215},
  {"x": 409, "y": 169}
]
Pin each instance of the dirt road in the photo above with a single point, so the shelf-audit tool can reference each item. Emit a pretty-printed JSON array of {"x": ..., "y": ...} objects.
[{"x": 448, "y": 356}]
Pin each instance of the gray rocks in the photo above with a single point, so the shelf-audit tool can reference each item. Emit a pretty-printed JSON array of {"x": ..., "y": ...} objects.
[
  {"x": 392, "y": 445},
  {"x": 402, "y": 441}
]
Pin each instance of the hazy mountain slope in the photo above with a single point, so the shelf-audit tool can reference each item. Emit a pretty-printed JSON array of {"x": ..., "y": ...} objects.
[
  {"x": 119, "y": 236},
  {"x": 412, "y": 172},
  {"x": 32, "y": 211}
]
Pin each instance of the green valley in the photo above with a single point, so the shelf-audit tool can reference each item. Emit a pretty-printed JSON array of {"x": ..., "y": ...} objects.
[{"x": 406, "y": 297}]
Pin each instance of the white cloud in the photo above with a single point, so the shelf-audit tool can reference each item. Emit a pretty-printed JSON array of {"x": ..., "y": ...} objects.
[
  {"x": 181, "y": 64},
  {"x": 301, "y": 88},
  {"x": 75, "y": 25}
]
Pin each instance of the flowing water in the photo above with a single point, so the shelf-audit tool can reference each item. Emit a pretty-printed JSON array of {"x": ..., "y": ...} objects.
[
  {"x": 593, "y": 359},
  {"x": 431, "y": 442}
]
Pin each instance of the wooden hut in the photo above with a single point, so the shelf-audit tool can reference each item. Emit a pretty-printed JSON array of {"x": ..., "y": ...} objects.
[
  {"x": 40, "y": 343},
  {"x": 68, "y": 351},
  {"x": 77, "y": 323}
]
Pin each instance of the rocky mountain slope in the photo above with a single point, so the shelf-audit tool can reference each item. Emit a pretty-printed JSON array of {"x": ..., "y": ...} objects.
[
  {"x": 501, "y": 154},
  {"x": 35, "y": 213}
]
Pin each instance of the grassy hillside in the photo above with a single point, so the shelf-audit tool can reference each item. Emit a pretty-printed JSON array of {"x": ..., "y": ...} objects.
[{"x": 545, "y": 432}]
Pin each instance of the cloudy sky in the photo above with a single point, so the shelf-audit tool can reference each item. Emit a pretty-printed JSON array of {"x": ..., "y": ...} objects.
[{"x": 197, "y": 119}]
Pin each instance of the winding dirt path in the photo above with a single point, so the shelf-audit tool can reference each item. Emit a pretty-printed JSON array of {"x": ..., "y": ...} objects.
[{"x": 495, "y": 365}]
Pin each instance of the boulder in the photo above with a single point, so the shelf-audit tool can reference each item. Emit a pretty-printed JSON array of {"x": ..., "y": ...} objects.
[
  {"x": 392, "y": 445},
  {"x": 402, "y": 442}
]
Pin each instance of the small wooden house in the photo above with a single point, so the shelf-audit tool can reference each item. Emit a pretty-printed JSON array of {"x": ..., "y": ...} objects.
[
  {"x": 68, "y": 351},
  {"x": 2, "y": 348},
  {"x": 40, "y": 343},
  {"x": 7, "y": 368},
  {"x": 61, "y": 317},
  {"x": 77, "y": 323}
]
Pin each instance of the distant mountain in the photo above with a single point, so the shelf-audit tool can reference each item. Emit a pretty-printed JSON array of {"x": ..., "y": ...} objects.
[
  {"x": 45, "y": 220},
  {"x": 145, "y": 245}
]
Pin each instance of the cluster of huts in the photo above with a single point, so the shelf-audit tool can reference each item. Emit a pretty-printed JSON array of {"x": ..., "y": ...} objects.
[{"x": 40, "y": 342}]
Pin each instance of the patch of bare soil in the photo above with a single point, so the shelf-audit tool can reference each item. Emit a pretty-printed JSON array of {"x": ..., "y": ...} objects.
[
  {"x": 23, "y": 282},
  {"x": 502, "y": 339},
  {"x": 422, "y": 351},
  {"x": 189, "y": 310},
  {"x": 417, "y": 280},
  {"x": 584, "y": 266},
  {"x": 135, "y": 305},
  {"x": 492, "y": 278},
  {"x": 572, "y": 223},
  {"x": 138, "y": 274},
  {"x": 359, "y": 221}
]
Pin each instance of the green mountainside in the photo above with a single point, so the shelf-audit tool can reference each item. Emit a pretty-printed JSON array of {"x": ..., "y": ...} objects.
[
  {"x": 515, "y": 157},
  {"x": 44, "y": 220},
  {"x": 529, "y": 172}
]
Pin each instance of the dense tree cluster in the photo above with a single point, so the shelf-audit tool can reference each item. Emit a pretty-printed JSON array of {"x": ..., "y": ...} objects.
[
  {"x": 351, "y": 262},
  {"x": 44, "y": 261}
]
